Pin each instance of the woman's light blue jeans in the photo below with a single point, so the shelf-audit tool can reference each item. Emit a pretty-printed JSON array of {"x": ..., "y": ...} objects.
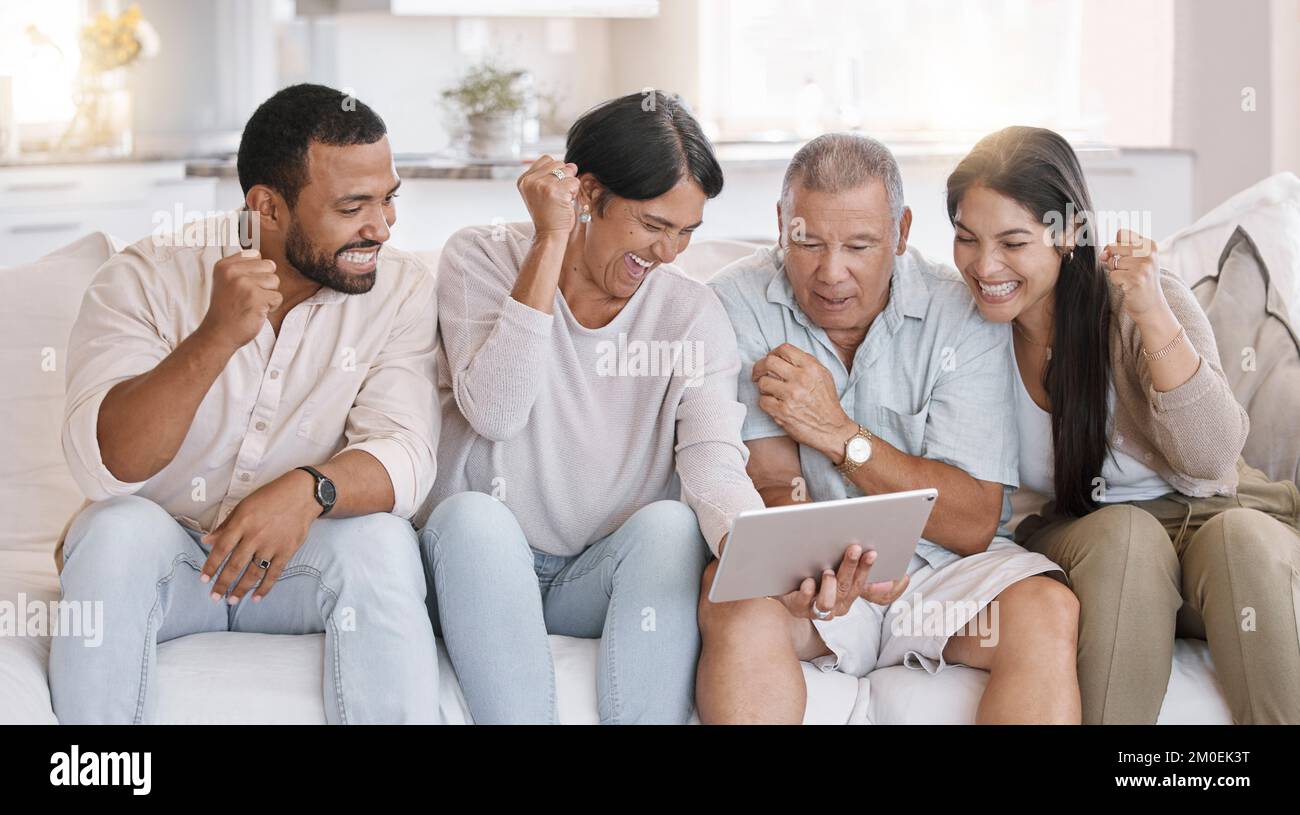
[
  {"x": 494, "y": 599},
  {"x": 358, "y": 580}
]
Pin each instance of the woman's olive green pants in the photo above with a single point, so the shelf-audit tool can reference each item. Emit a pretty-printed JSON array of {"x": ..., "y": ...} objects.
[{"x": 1224, "y": 569}]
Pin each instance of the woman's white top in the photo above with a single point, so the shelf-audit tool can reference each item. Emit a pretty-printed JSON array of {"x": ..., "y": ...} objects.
[{"x": 1122, "y": 478}]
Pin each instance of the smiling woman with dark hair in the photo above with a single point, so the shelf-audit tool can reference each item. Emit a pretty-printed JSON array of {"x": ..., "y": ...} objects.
[
  {"x": 591, "y": 441},
  {"x": 1127, "y": 421}
]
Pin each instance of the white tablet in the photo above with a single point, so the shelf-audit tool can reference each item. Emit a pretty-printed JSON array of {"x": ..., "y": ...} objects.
[{"x": 770, "y": 551}]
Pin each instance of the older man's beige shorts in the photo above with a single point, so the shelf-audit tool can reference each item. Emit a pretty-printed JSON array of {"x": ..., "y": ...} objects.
[{"x": 914, "y": 629}]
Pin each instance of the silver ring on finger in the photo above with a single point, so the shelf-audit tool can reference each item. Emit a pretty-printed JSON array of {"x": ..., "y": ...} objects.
[
  {"x": 263, "y": 564},
  {"x": 818, "y": 613},
  {"x": 558, "y": 173},
  {"x": 1114, "y": 262}
]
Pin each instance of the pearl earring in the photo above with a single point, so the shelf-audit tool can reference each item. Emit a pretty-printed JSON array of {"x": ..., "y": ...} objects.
[{"x": 585, "y": 217}]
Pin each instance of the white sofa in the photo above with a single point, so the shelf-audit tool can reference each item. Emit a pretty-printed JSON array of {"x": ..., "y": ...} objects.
[{"x": 254, "y": 678}]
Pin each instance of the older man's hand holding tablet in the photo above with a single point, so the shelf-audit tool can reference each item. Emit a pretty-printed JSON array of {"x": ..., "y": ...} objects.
[{"x": 778, "y": 552}]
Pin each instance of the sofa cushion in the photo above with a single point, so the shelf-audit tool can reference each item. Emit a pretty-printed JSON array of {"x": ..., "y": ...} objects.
[
  {"x": 1270, "y": 211},
  {"x": 38, "y": 304},
  {"x": 703, "y": 259},
  {"x": 25, "y": 578},
  {"x": 233, "y": 678},
  {"x": 1259, "y": 350}
]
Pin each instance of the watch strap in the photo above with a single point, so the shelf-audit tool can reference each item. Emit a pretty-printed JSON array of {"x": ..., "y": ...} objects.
[{"x": 847, "y": 466}]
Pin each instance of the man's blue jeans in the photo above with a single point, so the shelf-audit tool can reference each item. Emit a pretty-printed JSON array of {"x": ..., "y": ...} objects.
[{"x": 358, "y": 580}]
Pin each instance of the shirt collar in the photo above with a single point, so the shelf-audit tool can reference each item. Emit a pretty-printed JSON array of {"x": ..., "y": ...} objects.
[
  {"x": 908, "y": 287},
  {"x": 326, "y": 296}
]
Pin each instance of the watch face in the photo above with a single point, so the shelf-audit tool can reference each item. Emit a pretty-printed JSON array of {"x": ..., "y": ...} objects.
[
  {"x": 859, "y": 450},
  {"x": 327, "y": 492}
]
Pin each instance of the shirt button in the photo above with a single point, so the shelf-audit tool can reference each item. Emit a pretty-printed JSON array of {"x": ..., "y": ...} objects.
[
  {"x": 275, "y": 374},
  {"x": 244, "y": 476},
  {"x": 260, "y": 426}
]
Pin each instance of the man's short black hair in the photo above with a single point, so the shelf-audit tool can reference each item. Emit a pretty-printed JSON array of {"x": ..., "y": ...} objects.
[{"x": 273, "y": 149}]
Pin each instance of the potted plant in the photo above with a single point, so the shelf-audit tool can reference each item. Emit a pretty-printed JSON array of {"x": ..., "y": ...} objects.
[{"x": 489, "y": 98}]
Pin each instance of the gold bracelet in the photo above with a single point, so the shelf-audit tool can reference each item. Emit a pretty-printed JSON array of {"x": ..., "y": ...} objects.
[{"x": 1164, "y": 352}]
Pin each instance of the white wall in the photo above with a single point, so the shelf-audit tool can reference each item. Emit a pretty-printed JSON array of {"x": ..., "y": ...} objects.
[
  {"x": 1128, "y": 70},
  {"x": 400, "y": 66},
  {"x": 659, "y": 52},
  {"x": 1286, "y": 85},
  {"x": 215, "y": 64},
  {"x": 219, "y": 61},
  {"x": 1222, "y": 49}
]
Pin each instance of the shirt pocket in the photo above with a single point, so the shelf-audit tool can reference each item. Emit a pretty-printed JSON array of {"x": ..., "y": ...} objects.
[
  {"x": 906, "y": 431},
  {"x": 325, "y": 414}
]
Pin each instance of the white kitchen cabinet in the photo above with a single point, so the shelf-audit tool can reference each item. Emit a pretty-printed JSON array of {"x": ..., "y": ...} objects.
[{"x": 46, "y": 206}]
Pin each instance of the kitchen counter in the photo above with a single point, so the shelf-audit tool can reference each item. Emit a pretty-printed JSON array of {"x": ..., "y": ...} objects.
[
  {"x": 38, "y": 160},
  {"x": 408, "y": 167},
  {"x": 739, "y": 155}
]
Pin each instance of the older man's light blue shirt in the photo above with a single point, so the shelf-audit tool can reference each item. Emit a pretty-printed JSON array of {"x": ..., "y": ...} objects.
[{"x": 931, "y": 377}]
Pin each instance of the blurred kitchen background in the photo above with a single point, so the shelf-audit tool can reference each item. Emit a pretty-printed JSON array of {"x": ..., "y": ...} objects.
[{"x": 114, "y": 115}]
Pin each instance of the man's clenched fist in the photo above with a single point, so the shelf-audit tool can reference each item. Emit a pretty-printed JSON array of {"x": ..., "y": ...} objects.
[{"x": 245, "y": 290}]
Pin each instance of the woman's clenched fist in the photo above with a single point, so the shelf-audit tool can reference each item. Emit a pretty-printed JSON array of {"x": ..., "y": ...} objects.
[{"x": 549, "y": 188}]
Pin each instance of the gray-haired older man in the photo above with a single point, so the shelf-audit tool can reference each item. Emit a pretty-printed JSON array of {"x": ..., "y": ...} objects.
[{"x": 847, "y": 336}]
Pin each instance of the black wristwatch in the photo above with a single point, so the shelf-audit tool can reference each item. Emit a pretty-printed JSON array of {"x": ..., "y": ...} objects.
[{"x": 326, "y": 494}]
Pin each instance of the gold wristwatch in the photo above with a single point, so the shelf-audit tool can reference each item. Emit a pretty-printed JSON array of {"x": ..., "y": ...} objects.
[{"x": 857, "y": 451}]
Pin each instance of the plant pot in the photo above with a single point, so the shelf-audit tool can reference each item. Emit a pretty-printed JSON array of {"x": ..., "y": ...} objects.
[{"x": 494, "y": 135}]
